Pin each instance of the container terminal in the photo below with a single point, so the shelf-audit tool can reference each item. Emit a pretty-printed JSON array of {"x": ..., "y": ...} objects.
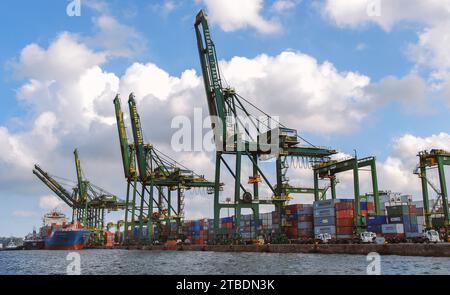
[{"x": 381, "y": 221}]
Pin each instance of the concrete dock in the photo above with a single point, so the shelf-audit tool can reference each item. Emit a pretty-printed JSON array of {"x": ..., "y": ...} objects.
[{"x": 430, "y": 250}]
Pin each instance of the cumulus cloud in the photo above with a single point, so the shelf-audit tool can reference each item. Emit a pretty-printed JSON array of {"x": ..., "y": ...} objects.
[
  {"x": 116, "y": 39},
  {"x": 433, "y": 47},
  {"x": 410, "y": 91},
  {"x": 50, "y": 203},
  {"x": 396, "y": 172},
  {"x": 307, "y": 85},
  {"x": 70, "y": 97},
  {"x": 434, "y": 40},
  {"x": 283, "y": 5},
  {"x": 232, "y": 15},
  {"x": 354, "y": 13},
  {"x": 166, "y": 7}
]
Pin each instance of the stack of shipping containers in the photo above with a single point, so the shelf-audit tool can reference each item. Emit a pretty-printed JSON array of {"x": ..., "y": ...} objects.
[
  {"x": 402, "y": 220},
  {"x": 324, "y": 217},
  {"x": 299, "y": 221},
  {"x": 345, "y": 219},
  {"x": 247, "y": 227},
  {"x": 305, "y": 221},
  {"x": 266, "y": 223}
]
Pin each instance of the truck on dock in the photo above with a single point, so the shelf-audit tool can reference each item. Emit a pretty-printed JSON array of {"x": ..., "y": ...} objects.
[{"x": 427, "y": 236}]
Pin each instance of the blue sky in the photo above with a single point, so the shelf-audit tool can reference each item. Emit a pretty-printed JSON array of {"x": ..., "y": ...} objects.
[{"x": 322, "y": 30}]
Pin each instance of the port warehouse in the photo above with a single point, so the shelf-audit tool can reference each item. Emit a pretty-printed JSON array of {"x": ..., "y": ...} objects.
[{"x": 157, "y": 184}]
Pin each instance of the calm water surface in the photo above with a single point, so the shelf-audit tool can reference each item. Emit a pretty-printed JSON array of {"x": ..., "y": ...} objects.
[{"x": 111, "y": 262}]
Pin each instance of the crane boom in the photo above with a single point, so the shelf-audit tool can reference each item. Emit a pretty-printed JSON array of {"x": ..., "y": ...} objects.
[
  {"x": 54, "y": 186},
  {"x": 81, "y": 187},
  {"x": 124, "y": 147},
  {"x": 138, "y": 138},
  {"x": 210, "y": 70}
]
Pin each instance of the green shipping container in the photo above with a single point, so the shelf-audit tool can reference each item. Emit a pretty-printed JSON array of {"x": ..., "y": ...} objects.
[{"x": 437, "y": 222}]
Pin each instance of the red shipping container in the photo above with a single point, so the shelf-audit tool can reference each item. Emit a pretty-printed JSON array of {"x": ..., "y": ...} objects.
[
  {"x": 363, "y": 212},
  {"x": 344, "y": 230},
  {"x": 344, "y": 222},
  {"x": 370, "y": 206},
  {"x": 412, "y": 209},
  {"x": 344, "y": 206},
  {"x": 345, "y": 214},
  {"x": 292, "y": 232}
]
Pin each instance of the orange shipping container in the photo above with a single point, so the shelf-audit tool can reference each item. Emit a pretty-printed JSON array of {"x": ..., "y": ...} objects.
[
  {"x": 340, "y": 222},
  {"x": 171, "y": 243},
  {"x": 345, "y": 214},
  {"x": 344, "y": 206}
]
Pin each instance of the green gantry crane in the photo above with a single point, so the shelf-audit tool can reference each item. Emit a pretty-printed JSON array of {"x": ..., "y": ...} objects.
[
  {"x": 435, "y": 158},
  {"x": 158, "y": 182},
  {"x": 237, "y": 140},
  {"x": 87, "y": 201},
  {"x": 328, "y": 170}
]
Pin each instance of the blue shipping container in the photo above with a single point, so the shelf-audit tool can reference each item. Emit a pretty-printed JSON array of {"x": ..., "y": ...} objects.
[
  {"x": 321, "y": 221},
  {"x": 363, "y": 205},
  {"x": 376, "y": 220},
  {"x": 305, "y": 225},
  {"x": 395, "y": 219},
  {"x": 376, "y": 228},
  {"x": 324, "y": 212},
  {"x": 305, "y": 211}
]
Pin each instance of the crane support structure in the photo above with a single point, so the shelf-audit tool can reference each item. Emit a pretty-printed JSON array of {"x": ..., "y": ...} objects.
[
  {"x": 156, "y": 189},
  {"x": 434, "y": 159},
  {"x": 328, "y": 170},
  {"x": 88, "y": 202},
  {"x": 252, "y": 142}
]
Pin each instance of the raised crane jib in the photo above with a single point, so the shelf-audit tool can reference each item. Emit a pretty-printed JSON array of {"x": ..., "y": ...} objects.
[
  {"x": 82, "y": 189},
  {"x": 124, "y": 147},
  {"x": 138, "y": 138},
  {"x": 210, "y": 69},
  {"x": 51, "y": 183}
]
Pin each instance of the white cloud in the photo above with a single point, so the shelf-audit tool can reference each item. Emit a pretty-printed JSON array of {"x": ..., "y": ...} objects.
[
  {"x": 307, "y": 85},
  {"x": 50, "y": 203},
  {"x": 65, "y": 59},
  {"x": 361, "y": 46},
  {"x": 354, "y": 13},
  {"x": 70, "y": 98},
  {"x": 396, "y": 172},
  {"x": 410, "y": 90},
  {"x": 433, "y": 41},
  {"x": 232, "y": 15},
  {"x": 116, "y": 39},
  {"x": 283, "y": 5},
  {"x": 432, "y": 49},
  {"x": 166, "y": 7}
]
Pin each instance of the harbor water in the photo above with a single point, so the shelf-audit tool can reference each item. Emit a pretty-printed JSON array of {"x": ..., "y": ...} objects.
[{"x": 118, "y": 262}]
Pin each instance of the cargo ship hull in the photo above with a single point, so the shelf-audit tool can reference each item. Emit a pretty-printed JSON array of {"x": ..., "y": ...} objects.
[
  {"x": 33, "y": 244},
  {"x": 67, "y": 240}
]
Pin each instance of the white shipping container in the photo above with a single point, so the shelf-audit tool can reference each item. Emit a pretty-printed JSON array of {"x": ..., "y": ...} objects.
[
  {"x": 420, "y": 228},
  {"x": 421, "y": 220},
  {"x": 392, "y": 228}
]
